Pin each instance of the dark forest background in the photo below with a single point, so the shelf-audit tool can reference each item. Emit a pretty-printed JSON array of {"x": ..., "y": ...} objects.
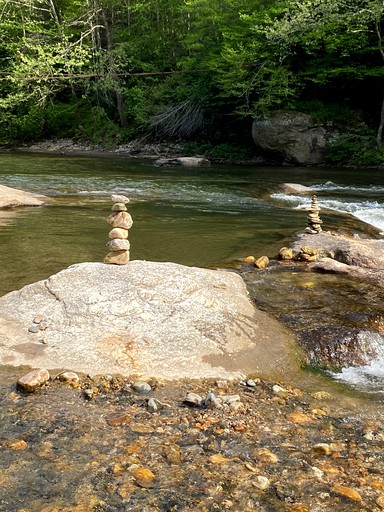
[{"x": 197, "y": 71}]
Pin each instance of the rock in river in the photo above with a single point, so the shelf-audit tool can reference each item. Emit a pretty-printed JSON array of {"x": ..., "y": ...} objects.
[
  {"x": 11, "y": 198},
  {"x": 146, "y": 319}
]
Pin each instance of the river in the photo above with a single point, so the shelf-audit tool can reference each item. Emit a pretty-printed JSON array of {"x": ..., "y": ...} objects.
[{"x": 210, "y": 217}]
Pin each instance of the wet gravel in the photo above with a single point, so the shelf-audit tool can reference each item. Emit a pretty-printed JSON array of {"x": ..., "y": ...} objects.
[{"x": 93, "y": 445}]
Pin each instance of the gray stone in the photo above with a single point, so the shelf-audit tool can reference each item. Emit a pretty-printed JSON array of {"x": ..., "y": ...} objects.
[
  {"x": 193, "y": 399},
  {"x": 147, "y": 319},
  {"x": 33, "y": 380},
  {"x": 118, "y": 244},
  {"x": 294, "y": 188},
  {"x": 292, "y": 136},
  {"x": 184, "y": 161},
  {"x": 141, "y": 387},
  {"x": 152, "y": 405}
]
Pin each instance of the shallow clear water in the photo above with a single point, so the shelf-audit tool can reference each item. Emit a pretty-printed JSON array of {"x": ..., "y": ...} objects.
[{"x": 205, "y": 216}]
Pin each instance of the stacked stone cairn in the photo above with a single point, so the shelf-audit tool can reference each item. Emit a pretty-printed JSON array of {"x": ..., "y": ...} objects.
[
  {"x": 121, "y": 221},
  {"x": 314, "y": 221}
]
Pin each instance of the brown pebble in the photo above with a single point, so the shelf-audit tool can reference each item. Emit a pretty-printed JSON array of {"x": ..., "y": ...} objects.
[
  {"x": 217, "y": 458},
  {"x": 117, "y": 258},
  {"x": 18, "y": 445},
  {"x": 262, "y": 262},
  {"x": 118, "y": 419},
  {"x": 38, "y": 319},
  {"x": 380, "y": 501},
  {"x": 299, "y": 507},
  {"x": 265, "y": 455},
  {"x": 143, "y": 477},
  {"x": 347, "y": 492},
  {"x": 322, "y": 449},
  {"x": 249, "y": 259},
  {"x": 298, "y": 417}
]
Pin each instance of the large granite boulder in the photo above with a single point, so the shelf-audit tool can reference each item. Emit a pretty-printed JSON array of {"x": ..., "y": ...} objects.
[
  {"x": 292, "y": 137},
  {"x": 12, "y": 198},
  {"x": 144, "y": 319}
]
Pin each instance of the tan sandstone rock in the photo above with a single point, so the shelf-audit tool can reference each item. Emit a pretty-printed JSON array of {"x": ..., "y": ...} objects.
[
  {"x": 120, "y": 220},
  {"x": 117, "y": 257},
  {"x": 118, "y": 233}
]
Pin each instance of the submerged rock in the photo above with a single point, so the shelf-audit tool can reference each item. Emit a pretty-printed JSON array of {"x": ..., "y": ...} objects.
[{"x": 146, "y": 319}]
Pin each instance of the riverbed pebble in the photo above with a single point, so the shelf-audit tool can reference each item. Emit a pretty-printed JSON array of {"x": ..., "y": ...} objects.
[
  {"x": 347, "y": 492},
  {"x": 141, "y": 387},
  {"x": 33, "y": 380},
  {"x": 262, "y": 482},
  {"x": 68, "y": 377},
  {"x": 199, "y": 458},
  {"x": 262, "y": 262}
]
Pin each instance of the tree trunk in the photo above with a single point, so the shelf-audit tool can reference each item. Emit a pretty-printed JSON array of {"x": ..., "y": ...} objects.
[
  {"x": 379, "y": 136},
  {"x": 119, "y": 97}
]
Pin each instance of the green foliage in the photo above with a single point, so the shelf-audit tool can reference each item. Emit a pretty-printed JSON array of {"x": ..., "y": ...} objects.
[
  {"x": 225, "y": 151},
  {"x": 335, "y": 114},
  {"x": 355, "y": 147},
  {"x": 97, "y": 128},
  {"x": 86, "y": 69},
  {"x": 230, "y": 152}
]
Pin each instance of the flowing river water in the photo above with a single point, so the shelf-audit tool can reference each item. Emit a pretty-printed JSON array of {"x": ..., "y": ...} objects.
[
  {"x": 60, "y": 452},
  {"x": 210, "y": 217}
]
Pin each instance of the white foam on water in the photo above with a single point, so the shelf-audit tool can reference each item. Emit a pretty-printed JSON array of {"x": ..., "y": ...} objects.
[
  {"x": 329, "y": 185},
  {"x": 370, "y": 212},
  {"x": 368, "y": 377}
]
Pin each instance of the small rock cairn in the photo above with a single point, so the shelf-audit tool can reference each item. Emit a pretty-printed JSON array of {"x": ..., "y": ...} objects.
[
  {"x": 314, "y": 221},
  {"x": 121, "y": 221}
]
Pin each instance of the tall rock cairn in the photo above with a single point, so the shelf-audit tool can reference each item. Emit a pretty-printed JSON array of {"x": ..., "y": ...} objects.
[
  {"x": 121, "y": 221},
  {"x": 314, "y": 221}
]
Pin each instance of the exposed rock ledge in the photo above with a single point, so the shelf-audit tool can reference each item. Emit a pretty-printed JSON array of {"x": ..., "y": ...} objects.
[
  {"x": 13, "y": 198},
  {"x": 294, "y": 188},
  {"x": 341, "y": 255},
  {"x": 144, "y": 319}
]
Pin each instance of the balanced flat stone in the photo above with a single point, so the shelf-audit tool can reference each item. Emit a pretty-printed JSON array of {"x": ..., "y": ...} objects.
[
  {"x": 120, "y": 220},
  {"x": 145, "y": 319},
  {"x": 118, "y": 233}
]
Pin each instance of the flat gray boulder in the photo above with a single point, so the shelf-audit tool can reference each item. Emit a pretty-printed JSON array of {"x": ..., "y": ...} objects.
[
  {"x": 184, "y": 161},
  {"x": 294, "y": 188},
  {"x": 12, "y": 198},
  {"x": 144, "y": 319}
]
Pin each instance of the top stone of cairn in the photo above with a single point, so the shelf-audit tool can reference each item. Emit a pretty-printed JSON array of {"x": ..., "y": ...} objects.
[{"x": 116, "y": 198}]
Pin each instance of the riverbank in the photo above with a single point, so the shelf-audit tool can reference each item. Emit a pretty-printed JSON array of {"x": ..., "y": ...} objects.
[
  {"x": 138, "y": 149},
  {"x": 93, "y": 445}
]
